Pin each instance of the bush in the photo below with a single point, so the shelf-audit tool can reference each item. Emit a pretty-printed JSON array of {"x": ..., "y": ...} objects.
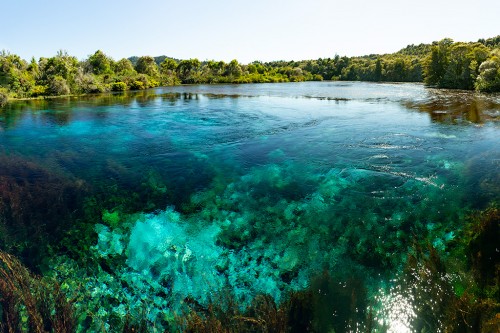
[
  {"x": 38, "y": 91},
  {"x": 153, "y": 83},
  {"x": 4, "y": 97},
  {"x": 142, "y": 81},
  {"x": 88, "y": 84},
  {"x": 119, "y": 86},
  {"x": 137, "y": 85},
  {"x": 317, "y": 77},
  {"x": 58, "y": 86},
  {"x": 489, "y": 76},
  {"x": 147, "y": 65}
]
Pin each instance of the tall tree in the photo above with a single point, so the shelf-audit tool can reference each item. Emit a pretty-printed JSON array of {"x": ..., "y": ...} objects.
[
  {"x": 124, "y": 67},
  {"x": 378, "y": 70},
  {"x": 187, "y": 70},
  {"x": 435, "y": 64},
  {"x": 168, "y": 66},
  {"x": 100, "y": 63},
  {"x": 489, "y": 74},
  {"x": 234, "y": 69},
  {"x": 147, "y": 65},
  {"x": 458, "y": 73}
]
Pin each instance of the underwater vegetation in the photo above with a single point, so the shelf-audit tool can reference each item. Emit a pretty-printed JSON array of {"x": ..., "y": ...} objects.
[
  {"x": 31, "y": 304},
  {"x": 430, "y": 295},
  {"x": 273, "y": 214},
  {"x": 36, "y": 206},
  {"x": 445, "y": 293},
  {"x": 325, "y": 306},
  {"x": 268, "y": 232}
]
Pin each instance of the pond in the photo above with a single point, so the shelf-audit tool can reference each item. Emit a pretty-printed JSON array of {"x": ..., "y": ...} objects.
[{"x": 179, "y": 193}]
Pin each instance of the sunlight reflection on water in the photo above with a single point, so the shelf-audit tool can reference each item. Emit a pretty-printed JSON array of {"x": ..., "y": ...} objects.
[{"x": 397, "y": 312}]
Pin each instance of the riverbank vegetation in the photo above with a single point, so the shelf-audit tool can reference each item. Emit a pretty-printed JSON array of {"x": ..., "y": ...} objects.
[{"x": 443, "y": 64}]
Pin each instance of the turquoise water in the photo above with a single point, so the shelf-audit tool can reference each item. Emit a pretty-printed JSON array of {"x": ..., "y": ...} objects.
[{"x": 257, "y": 188}]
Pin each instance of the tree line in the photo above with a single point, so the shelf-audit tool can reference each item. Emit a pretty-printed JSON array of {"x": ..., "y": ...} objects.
[{"x": 443, "y": 64}]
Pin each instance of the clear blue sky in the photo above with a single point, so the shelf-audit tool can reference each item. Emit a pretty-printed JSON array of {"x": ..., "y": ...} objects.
[{"x": 246, "y": 30}]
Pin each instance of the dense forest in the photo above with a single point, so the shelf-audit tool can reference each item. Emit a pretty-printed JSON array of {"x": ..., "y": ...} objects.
[{"x": 443, "y": 64}]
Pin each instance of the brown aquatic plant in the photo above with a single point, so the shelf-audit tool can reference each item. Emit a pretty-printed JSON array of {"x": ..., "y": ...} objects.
[
  {"x": 481, "y": 237},
  {"x": 37, "y": 206},
  {"x": 325, "y": 306},
  {"x": 263, "y": 315},
  {"x": 439, "y": 304},
  {"x": 30, "y": 303}
]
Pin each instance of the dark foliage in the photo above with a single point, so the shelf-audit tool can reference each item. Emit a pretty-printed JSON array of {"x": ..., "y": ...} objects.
[
  {"x": 36, "y": 206},
  {"x": 31, "y": 304},
  {"x": 326, "y": 306}
]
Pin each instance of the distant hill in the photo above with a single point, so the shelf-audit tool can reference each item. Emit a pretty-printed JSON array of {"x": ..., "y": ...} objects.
[
  {"x": 415, "y": 50},
  {"x": 419, "y": 50},
  {"x": 423, "y": 49},
  {"x": 158, "y": 59}
]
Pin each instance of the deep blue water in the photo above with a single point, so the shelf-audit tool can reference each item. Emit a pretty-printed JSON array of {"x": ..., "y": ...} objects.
[{"x": 262, "y": 187}]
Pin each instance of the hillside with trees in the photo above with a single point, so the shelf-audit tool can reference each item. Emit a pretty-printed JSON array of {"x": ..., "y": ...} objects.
[{"x": 443, "y": 64}]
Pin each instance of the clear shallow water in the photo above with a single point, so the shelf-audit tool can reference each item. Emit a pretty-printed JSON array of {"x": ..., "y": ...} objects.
[{"x": 260, "y": 188}]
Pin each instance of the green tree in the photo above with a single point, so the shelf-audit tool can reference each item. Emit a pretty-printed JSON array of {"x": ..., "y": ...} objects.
[
  {"x": 147, "y": 65},
  {"x": 216, "y": 68},
  {"x": 4, "y": 97},
  {"x": 61, "y": 65},
  {"x": 34, "y": 69},
  {"x": 350, "y": 73},
  {"x": 458, "y": 73},
  {"x": 57, "y": 86},
  {"x": 86, "y": 83},
  {"x": 378, "y": 70},
  {"x": 168, "y": 66},
  {"x": 9, "y": 61},
  {"x": 414, "y": 73},
  {"x": 489, "y": 74},
  {"x": 124, "y": 67},
  {"x": 234, "y": 69},
  {"x": 479, "y": 54},
  {"x": 119, "y": 86},
  {"x": 100, "y": 63},
  {"x": 187, "y": 70},
  {"x": 436, "y": 63},
  {"x": 14, "y": 74},
  {"x": 167, "y": 70}
]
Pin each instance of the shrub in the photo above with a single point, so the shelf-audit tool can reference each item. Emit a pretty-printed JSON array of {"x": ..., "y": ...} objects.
[
  {"x": 58, "y": 86},
  {"x": 4, "y": 97},
  {"x": 489, "y": 76},
  {"x": 38, "y": 91},
  {"x": 153, "y": 83},
  {"x": 317, "y": 77},
  {"x": 88, "y": 84},
  {"x": 147, "y": 65},
  {"x": 119, "y": 86},
  {"x": 142, "y": 81},
  {"x": 137, "y": 85}
]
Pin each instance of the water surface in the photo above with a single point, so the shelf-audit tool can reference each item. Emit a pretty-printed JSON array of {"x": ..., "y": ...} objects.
[{"x": 262, "y": 187}]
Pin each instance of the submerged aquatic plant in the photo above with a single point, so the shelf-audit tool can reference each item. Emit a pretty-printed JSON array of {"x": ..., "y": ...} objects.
[
  {"x": 326, "y": 305},
  {"x": 29, "y": 303},
  {"x": 267, "y": 232},
  {"x": 36, "y": 206},
  {"x": 434, "y": 295},
  {"x": 481, "y": 237}
]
